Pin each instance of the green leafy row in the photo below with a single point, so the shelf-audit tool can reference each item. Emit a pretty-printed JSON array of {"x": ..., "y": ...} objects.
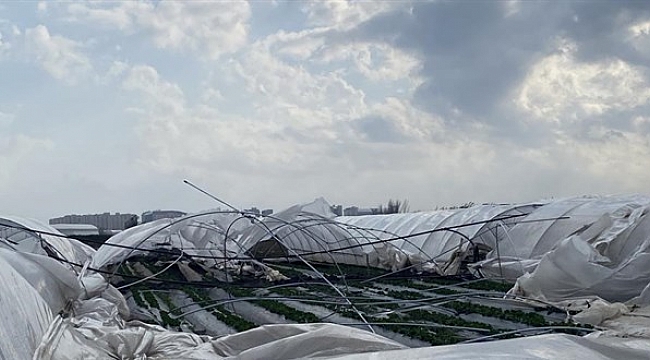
[
  {"x": 432, "y": 336},
  {"x": 275, "y": 306},
  {"x": 223, "y": 315},
  {"x": 519, "y": 316}
]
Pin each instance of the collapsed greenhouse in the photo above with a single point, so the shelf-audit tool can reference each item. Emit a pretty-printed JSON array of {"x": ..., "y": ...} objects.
[{"x": 563, "y": 278}]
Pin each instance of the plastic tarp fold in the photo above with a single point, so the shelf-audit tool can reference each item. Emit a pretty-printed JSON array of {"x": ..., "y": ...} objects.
[
  {"x": 595, "y": 218},
  {"x": 440, "y": 240},
  {"x": 47, "y": 314},
  {"x": 77, "y": 339},
  {"x": 609, "y": 258},
  {"x": 309, "y": 230},
  {"x": 542, "y": 347},
  {"x": 33, "y": 289},
  {"x": 560, "y": 249},
  {"x": 28, "y": 235},
  {"x": 200, "y": 235}
]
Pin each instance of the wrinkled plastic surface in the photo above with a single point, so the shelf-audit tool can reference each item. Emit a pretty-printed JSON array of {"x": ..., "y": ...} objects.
[
  {"x": 199, "y": 235},
  {"x": 33, "y": 288},
  {"x": 542, "y": 347},
  {"x": 564, "y": 249},
  {"x": 443, "y": 249},
  {"x": 606, "y": 256},
  {"x": 42, "y": 239},
  {"x": 99, "y": 333},
  {"x": 312, "y": 231},
  {"x": 75, "y": 339}
]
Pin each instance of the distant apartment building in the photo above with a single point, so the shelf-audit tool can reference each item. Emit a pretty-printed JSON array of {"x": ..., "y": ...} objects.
[
  {"x": 153, "y": 215},
  {"x": 267, "y": 212},
  {"x": 357, "y": 211},
  {"x": 105, "y": 221}
]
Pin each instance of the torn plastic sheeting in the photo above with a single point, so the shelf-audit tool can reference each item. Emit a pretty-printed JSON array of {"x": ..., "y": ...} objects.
[
  {"x": 545, "y": 227},
  {"x": 136, "y": 340},
  {"x": 199, "y": 235},
  {"x": 79, "y": 339},
  {"x": 12, "y": 228},
  {"x": 575, "y": 270},
  {"x": 619, "y": 321},
  {"x": 580, "y": 267},
  {"x": 533, "y": 239},
  {"x": 308, "y": 230},
  {"x": 440, "y": 251},
  {"x": 32, "y": 289},
  {"x": 541, "y": 347},
  {"x": 507, "y": 268},
  {"x": 157, "y": 232}
]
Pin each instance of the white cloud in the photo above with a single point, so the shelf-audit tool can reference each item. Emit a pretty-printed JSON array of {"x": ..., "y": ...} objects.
[
  {"x": 41, "y": 7},
  {"x": 8, "y": 33},
  {"x": 296, "y": 45},
  {"x": 314, "y": 99},
  {"x": 57, "y": 55},
  {"x": 293, "y": 116},
  {"x": 376, "y": 61},
  {"x": 345, "y": 14},
  {"x": 307, "y": 112},
  {"x": 115, "y": 71},
  {"x": 15, "y": 152},
  {"x": 180, "y": 138},
  {"x": 559, "y": 88},
  {"x": 6, "y": 119},
  {"x": 621, "y": 158},
  {"x": 511, "y": 7},
  {"x": 414, "y": 123},
  {"x": 208, "y": 28},
  {"x": 640, "y": 29},
  {"x": 297, "y": 132},
  {"x": 639, "y": 37},
  {"x": 642, "y": 123},
  {"x": 161, "y": 96}
]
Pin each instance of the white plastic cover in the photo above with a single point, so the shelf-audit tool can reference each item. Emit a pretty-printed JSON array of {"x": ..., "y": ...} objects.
[
  {"x": 28, "y": 235},
  {"x": 600, "y": 248},
  {"x": 309, "y": 231},
  {"x": 607, "y": 257},
  {"x": 198, "y": 235},
  {"x": 559, "y": 250},
  {"x": 447, "y": 247},
  {"x": 33, "y": 289},
  {"x": 542, "y": 347}
]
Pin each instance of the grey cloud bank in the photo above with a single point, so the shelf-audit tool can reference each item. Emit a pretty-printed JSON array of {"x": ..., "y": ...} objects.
[{"x": 437, "y": 102}]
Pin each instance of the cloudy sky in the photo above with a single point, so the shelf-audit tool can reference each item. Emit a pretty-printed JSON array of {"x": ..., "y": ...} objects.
[{"x": 108, "y": 106}]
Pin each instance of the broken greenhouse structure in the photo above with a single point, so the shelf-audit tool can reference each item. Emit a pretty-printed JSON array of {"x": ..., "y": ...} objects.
[{"x": 306, "y": 283}]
